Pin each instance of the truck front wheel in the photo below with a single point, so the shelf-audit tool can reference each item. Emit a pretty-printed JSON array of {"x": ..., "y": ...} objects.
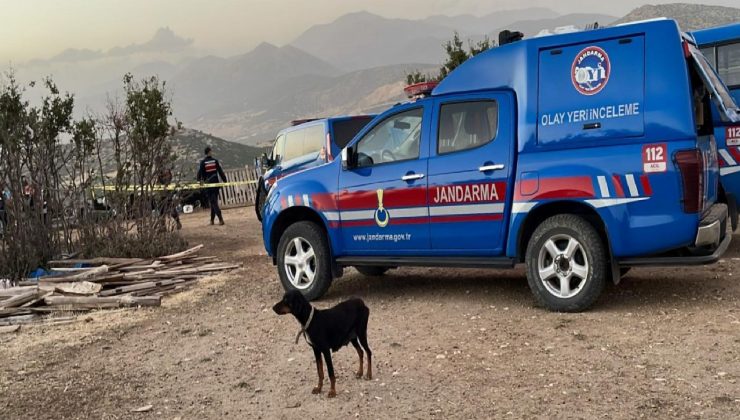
[
  {"x": 567, "y": 265},
  {"x": 304, "y": 260}
]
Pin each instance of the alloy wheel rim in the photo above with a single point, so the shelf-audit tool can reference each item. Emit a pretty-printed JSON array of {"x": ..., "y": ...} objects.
[
  {"x": 300, "y": 263},
  {"x": 563, "y": 266}
]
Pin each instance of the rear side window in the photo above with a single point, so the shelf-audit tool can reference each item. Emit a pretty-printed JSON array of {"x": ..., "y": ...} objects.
[
  {"x": 304, "y": 141},
  {"x": 466, "y": 125},
  {"x": 293, "y": 145},
  {"x": 346, "y": 130},
  {"x": 728, "y": 63},
  {"x": 591, "y": 91},
  {"x": 313, "y": 139}
]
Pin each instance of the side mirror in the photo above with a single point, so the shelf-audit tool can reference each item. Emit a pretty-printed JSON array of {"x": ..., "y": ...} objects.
[
  {"x": 266, "y": 161},
  {"x": 345, "y": 158},
  {"x": 349, "y": 158}
]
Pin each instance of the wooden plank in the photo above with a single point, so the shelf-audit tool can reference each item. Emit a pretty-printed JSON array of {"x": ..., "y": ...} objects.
[
  {"x": 19, "y": 300},
  {"x": 22, "y": 319},
  {"x": 139, "y": 286},
  {"x": 190, "y": 251},
  {"x": 95, "y": 272},
  {"x": 70, "y": 269},
  {"x": 78, "y": 288},
  {"x": 9, "y": 329},
  {"x": 116, "y": 267},
  {"x": 14, "y": 291},
  {"x": 102, "y": 302},
  {"x": 202, "y": 269},
  {"x": 95, "y": 261},
  {"x": 40, "y": 297},
  {"x": 4, "y": 313},
  {"x": 154, "y": 265}
]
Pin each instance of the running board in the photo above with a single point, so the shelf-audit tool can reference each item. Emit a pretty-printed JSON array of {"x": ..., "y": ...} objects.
[
  {"x": 679, "y": 260},
  {"x": 458, "y": 262}
]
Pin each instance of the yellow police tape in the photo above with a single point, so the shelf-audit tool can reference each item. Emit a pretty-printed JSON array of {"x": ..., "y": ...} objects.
[{"x": 172, "y": 187}]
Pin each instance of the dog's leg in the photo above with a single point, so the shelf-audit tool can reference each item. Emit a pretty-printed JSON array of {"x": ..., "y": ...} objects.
[
  {"x": 320, "y": 370},
  {"x": 359, "y": 354},
  {"x": 362, "y": 335},
  {"x": 330, "y": 369}
]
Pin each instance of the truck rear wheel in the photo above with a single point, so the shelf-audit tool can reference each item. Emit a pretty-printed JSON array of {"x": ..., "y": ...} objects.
[
  {"x": 304, "y": 260},
  {"x": 567, "y": 265}
]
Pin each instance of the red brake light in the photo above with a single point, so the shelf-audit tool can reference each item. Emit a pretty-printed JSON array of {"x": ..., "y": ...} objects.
[
  {"x": 686, "y": 49},
  {"x": 691, "y": 165}
]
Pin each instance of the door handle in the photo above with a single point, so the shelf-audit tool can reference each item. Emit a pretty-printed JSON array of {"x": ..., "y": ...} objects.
[
  {"x": 412, "y": 177},
  {"x": 487, "y": 168}
]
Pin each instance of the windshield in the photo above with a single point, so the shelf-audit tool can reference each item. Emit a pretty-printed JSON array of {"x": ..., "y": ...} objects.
[{"x": 720, "y": 94}]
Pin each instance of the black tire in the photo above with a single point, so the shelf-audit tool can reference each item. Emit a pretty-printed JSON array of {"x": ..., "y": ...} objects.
[
  {"x": 316, "y": 237},
  {"x": 372, "y": 271},
  {"x": 592, "y": 251},
  {"x": 259, "y": 200},
  {"x": 623, "y": 271}
]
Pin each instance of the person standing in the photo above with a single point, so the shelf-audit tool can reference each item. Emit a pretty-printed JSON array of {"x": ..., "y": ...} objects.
[{"x": 209, "y": 172}]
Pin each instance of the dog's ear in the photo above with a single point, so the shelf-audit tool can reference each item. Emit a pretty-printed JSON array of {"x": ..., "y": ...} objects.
[{"x": 296, "y": 301}]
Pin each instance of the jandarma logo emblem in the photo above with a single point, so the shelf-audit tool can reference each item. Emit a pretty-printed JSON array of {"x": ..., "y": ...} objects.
[
  {"x": 381, "y": 214},
  {"x": 590, "y": 70}
]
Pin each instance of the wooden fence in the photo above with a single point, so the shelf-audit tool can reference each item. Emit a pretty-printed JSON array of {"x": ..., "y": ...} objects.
[{"x": 241, "y": 195}]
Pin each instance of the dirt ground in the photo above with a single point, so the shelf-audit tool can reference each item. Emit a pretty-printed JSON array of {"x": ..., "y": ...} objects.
[{"x": 447, "y": 344}]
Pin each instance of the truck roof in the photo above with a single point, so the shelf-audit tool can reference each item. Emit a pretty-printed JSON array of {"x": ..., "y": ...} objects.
[
  {"x": 507, "y": 66},
  {"x": 718, "y": 34},
  {"x": 303, "y": 123}
]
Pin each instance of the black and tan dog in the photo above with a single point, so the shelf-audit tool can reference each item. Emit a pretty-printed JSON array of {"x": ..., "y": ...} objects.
[{"x": 328, "y": 330}]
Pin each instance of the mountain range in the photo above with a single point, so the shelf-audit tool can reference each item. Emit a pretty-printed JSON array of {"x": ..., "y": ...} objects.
[{"x": 355, "y": 64}]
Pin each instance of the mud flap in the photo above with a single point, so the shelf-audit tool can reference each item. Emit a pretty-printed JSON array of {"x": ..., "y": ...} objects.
[{"x": 616, "y": 272}]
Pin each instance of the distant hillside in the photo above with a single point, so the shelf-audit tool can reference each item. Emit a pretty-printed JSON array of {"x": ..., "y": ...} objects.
[
  {"x": 363, "y": 40},
  {"x": 358, "y": 92},
  {"x": 214, "y": 86},
  {"x": 486, "y": 24},
  {"x": 188, "y": 145},
  {"x": 689, "y": 16}
]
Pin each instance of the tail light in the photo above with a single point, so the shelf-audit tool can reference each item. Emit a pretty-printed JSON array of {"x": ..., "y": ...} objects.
[
  {"x": 329, "y": 156},
  {"x": 691, "y": 165}
]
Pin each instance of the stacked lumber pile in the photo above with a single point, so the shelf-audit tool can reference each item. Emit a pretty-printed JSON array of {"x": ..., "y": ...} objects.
[{"x": 105, "y": 283}]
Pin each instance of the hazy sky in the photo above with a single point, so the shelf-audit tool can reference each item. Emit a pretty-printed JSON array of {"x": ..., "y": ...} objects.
[{"x": 43, "y": 28}]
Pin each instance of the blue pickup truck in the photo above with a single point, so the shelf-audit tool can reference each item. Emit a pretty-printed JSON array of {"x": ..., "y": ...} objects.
[
  {"x": 721, "y": 47},
  {"x": 306, "y": 143},
  {"x": 579, "y": 155}
]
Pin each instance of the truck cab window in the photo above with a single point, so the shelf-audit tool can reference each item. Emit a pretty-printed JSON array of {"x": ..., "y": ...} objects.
[
  {"x": 466, "y": 125},
  {"x": 395, "y": 139}
]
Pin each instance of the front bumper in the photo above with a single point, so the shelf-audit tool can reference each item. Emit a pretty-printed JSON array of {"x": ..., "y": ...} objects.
[{"x": 713, "y": 237}]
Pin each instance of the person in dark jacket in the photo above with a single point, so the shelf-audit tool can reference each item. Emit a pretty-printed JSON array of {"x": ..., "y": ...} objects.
[{"x": 209, "y": 172}]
